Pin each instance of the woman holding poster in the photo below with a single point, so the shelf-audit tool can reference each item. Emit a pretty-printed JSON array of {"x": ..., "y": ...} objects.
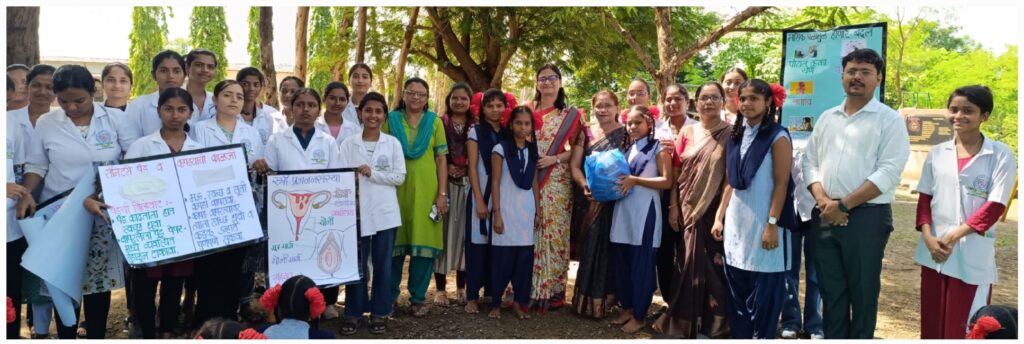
[
  {"x": 175, "y": 108},
  {"x": 69, "y": 140},
  {"x": 423, "y": 198}
]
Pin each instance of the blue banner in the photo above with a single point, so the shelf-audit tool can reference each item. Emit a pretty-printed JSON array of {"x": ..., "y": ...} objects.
[{"x": 812, "y": 71}]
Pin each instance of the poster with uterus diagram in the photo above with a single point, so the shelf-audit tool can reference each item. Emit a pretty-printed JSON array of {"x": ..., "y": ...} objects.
[{"x": 312, "y": 226}]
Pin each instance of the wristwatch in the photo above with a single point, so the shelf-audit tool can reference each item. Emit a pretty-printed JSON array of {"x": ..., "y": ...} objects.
[
  {"x": 772, "y": 220},
  {"x": 842, "y": 207}
]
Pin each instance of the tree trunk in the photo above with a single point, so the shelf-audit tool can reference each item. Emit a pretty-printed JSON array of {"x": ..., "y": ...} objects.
[
  {"x": 361, "y": 35},
  {"x": 301, "y": 42},
  {"x": 344, "y": 35},
  {"x": 266, "y": 29},
  {"x": 23, "y": 35},
  {"x": 403, "y": 55}
]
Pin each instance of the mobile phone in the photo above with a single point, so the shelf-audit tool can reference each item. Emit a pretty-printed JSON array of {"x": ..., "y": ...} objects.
[{"x": 434, "y": 214}]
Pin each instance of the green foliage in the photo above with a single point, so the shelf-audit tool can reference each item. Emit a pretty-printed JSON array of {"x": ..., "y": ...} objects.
[
  {"x": 253, "y": 47},
  {"x": 325, "y": 47},
  {"x": 209, "y": 30},
  {"x": 148, "y": 37}
]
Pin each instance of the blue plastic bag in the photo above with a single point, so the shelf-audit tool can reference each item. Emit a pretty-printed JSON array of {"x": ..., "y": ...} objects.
[{"x": 603, "y": 171}]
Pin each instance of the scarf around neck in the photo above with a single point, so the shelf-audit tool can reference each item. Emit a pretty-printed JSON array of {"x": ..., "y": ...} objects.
[
  {"x": 521, "y": 171},
  {"x": 415, "y": 149}
]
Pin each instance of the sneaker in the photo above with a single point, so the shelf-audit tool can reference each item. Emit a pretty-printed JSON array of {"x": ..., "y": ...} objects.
[
  {"x": 789, "y": 334},
  {"x": 818, "y": 335}
]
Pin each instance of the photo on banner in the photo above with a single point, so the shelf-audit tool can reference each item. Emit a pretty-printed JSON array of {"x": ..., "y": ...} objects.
[
  {"x": 179, "y": 206},
  {"x": 313, "y": 226},
  {"x": 812, "y": 71}
]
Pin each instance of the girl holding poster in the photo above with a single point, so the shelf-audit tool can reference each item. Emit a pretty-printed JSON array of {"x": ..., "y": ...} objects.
[
  {"x": 175, "y": 108},
  {"x": 379, "y": 161},
  {"x": 218, "y": 274},
  {"x": 67, "y": 143}
]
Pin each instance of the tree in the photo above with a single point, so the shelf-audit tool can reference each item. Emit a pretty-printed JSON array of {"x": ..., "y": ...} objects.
[
  {"x": 148, "y": 37},
  {"x": 326, "y": 51},
  {"x": 410, "y": 29},
  {"x": 670, "y": 58},
  {"x": 361, "y": 35},
  {"x": 301, "y": 47},
  {"x": 266, "y": 47},
  {"x": 253, "y": 46},
  {"x": 23, "y": 35},
  {"x": 344, "y": 17},
  {"x": 209, "y": 30}
]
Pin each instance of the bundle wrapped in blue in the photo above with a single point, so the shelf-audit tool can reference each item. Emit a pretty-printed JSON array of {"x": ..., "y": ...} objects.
[{"x": 603, "y": 171}]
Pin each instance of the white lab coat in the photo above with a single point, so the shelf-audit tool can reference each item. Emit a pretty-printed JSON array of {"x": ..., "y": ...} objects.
[
  {"x": 378, "y": 196},
  {"x": 989, "y": 176},
  {"x": 350, "y": 114},
  {"x": 267, "y": 121},
  {"x": 348, "y": 128},
  {"x": 19, "y": 118},
  {"x": 144, "y": 118},
  {"x": 154, "y": 144},
  {"x": 15, "y": 156},
  {"x": 60, "y": 155},
  {"x": 209, "y": 134},
  {"x": 285, "y": 153}
]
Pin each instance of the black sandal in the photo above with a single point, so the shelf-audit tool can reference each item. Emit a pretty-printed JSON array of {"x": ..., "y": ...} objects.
[
  {"x": 349, "y": 326},
  {"x": 378, "y": 325}
]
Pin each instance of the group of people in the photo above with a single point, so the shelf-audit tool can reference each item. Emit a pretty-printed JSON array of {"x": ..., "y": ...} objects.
[{"x": 716, "y": 212}]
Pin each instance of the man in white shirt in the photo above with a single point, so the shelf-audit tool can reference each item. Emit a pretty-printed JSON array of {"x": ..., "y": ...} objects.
[{"x": 852, "y": 167}]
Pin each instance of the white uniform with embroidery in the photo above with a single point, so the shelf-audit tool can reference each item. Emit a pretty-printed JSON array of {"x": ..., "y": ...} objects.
[
  {"x": 143, "y": 117},
  {"x": 209, "y": 134},
  {"x": 154, "y": 144},
  {"x": 60, "y": 155},
  {"x": 267, "y": 121},
  {"x": 15, "y": 156},
  {"x": 285, "y": 153},
  {"x": 378, "y": 196}
]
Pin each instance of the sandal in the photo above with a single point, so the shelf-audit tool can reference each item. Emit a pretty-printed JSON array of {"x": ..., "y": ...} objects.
[
  {"x": 349, "y": 326},
  {"x": 378, "y": 325},
  {"x": 420, "y": 310}
]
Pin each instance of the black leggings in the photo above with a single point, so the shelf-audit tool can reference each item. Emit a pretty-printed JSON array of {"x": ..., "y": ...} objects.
[
  {"x": 14, "y": 276},
  {"x": 144, "y": 292},
  {"x": 441, "y": 280},
  {"x": 217, "y": 290},
  {"x": 97, "y": 309}
]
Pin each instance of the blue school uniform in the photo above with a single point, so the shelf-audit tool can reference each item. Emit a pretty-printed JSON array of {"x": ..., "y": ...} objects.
[{"x": 512, "y": 250}]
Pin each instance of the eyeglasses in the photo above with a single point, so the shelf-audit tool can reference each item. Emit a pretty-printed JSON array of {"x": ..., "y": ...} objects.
[
  {"x": 863, "y": 72},
  {"x": 412, "y": 94},
  {"x": 710, "y": 99},
  {"x": 548, "y": 79}
]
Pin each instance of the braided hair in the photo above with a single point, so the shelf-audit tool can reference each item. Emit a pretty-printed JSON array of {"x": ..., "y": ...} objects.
[
  {"x": 763, "y": 89},
  {"x": 648, "y": 117}
]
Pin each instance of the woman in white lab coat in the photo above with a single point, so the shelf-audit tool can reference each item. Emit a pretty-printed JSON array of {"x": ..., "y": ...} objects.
[
  {"x": 175, "y": 107},
  {"x": 304, "y": 146},
  {"x": 68, "y": 141},
  {"x": 141, "y": 115},
  {"x": 218, "y": 275},
  {"x": 965, "y": 187},
  {"x": 265, "y": 118},
  {"x": 40, "y": 96},
  {"x": 380, "y": 163},
  {"x": 201, "y": 66}
]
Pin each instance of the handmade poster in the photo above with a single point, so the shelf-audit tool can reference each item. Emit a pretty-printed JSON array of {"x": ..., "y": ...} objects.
[
  {"x": 812, "y": 71},
  {"x": 312, "y": 225},
  {"x": 175, "y": 207}
]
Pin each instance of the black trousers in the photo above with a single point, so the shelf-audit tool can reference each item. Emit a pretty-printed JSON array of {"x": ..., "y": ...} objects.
[
  {"x": 97, "y": 310},
  {"x": 144, "y": 293},
  {"x": 217, "y": 290},
  {"x": 666, "y": 256},
  {"x": 14, "y": 275}
]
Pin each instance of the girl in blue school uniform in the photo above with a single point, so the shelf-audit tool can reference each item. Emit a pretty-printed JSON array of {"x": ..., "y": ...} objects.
[
  {"x": 514, "y": 200},
  {"x": 755, "y": 215},
  {"x": 480, "y": 142},
  {"x": 637, "y": 217}
]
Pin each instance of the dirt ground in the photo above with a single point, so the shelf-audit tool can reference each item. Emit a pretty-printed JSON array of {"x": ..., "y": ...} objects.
[{"x": 898, "y": 315}]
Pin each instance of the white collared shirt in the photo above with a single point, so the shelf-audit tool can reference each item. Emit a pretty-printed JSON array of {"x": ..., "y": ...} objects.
[
  {"x": 348, "y": 128},
  {"x": 15, "y": 155},
  {"x": 20, "y": 119},
  {"x": 267, "y": 121},
  {"x": 378, "y": 195},
  {"x": 60, "y": 155},
  {"x": 209, "y": 134},
  {"x": 988, "y": 177},
  {"x": 846, "y": 150},
  {"x": 154, "y": 144},
  {"x": 143, "y": 116},
  {"x": 285, "y": 153},
  {"x": 351, "y": 115}
]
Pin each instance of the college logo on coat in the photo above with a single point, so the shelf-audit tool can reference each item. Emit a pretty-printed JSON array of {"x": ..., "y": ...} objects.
[
  {"x": 248, "y": 147},
  {"x": 104, "y": 139},
  {"x": 319, "y": 158},
  {"x": 263, "y": 134},
  {"x": 382, "y": 164},
  {"x": 979, "y": 187}
]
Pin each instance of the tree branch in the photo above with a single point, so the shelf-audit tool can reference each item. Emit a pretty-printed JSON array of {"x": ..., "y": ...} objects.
[
  {"x": 730, "y": 25},
  {"x": 794, "y": 26},
  {"x": 644, "y": 57},
  {"x": 443, "y": 27}
]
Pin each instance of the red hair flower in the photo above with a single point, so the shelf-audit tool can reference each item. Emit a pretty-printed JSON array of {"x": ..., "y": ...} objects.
[
  {"x": 251, "y": 334},
  {"x": 983, "y": 327},
  {"x": 11, "y": 313},
  {"x": 511, "y": 103},
  {"x": 317, "y": 305},
  {"x": 270, "y": 297},
  {"x": 779, "y": 94}
]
